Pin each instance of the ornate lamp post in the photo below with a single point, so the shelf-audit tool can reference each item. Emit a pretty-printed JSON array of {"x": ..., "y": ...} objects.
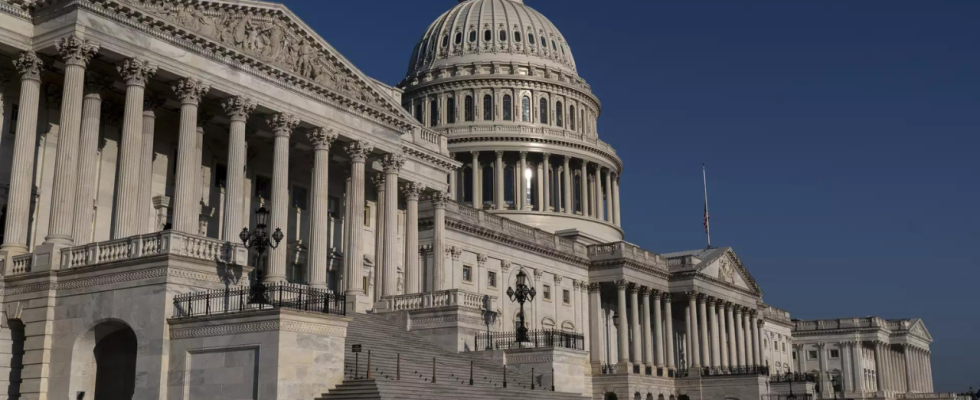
[
  {"x": 791, "y": 395},
  {"x": 260, "y": 241},
  {"x": 521, "y": 295}
]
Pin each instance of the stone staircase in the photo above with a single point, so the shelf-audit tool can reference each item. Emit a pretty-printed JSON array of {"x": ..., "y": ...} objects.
[{"x": 388, "y": 342}]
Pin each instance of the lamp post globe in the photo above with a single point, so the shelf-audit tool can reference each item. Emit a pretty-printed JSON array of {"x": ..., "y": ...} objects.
[{"x": 521, "y": 294}]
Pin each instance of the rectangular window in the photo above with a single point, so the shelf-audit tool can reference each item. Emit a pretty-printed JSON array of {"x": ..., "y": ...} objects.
[
  {"x": 794, "y": 355},
  {"x": 834, "y": 353},
  {"x": 451, "y": 110},
  {"x": 546, "y": 292},
  {"x": 433, "y": 112},
  {"x": 263, "y": 187},
  {"x": 566, "y": 297},
  {"x": 467, "y": 273},
  {"x": 491, "y": 279},
  {"x": 418, "y": 112},
  {"x": 811, "y": 355},
  {"x": 299, "y": 197}
]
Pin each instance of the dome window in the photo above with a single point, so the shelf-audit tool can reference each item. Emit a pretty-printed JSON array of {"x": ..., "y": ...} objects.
[
  {"x": 530, "y": 38},
  {"x": 487, "y": 107},
  {"x": 553, "y": 45},
  {"x": 433, "y": 112},
  {"x": 418, "y": 112},
  {"x": 472, "y": 36},
  {"x": 558, "y": 114},
  {"x": 503, "y": 36},
  {"x": 508, "y": 111},
  {"x": 487, "y": 35},
  {"x": 571, "y": 117},
  {"x": 562, "y": 49},
  {"x": 526, "y": 109},
  {"x": 468, "y": 108},
  {"x": 459, "y": 37},
  {"x": 445, "y": 41},
  {"x": 544, "y": 111},
  {"x": 517, "y": 37},
  {"x": 451, "y": 110}
]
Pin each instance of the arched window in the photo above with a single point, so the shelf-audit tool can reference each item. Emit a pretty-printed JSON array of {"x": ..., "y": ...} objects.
[
  {"x": 445, "y": 41},
  {"x": 503, "y": 36},
  {"x": 558, "y": 114},
  {"x": 459, "y": 37},
  {"x": 517, "y": 37},
  {"x": 530, "y": 38},
  {"x": 526, "y": 109},
  {"x": 553, "y": 45},
  {"x": 487, "y": 107},
  {"x": 451, "y": 110},
  {"x": 543, "y": 116},
  {"x": 487, "y": 188},
  {"x": 433, "y": 112},
  {"x": 571, "y": 117},
  {"x": 472, "y": 36},
  {"x": 510, "y": 198},
  {"x": 468, "y": 108},
  {"x": 508, "y": 108},
  {"x": 487, "y": 35}
]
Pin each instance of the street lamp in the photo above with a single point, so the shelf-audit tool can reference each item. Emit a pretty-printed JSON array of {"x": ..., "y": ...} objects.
[
  {"x": 259, "y": 240},
  {"x": 521, "y": 295},
  {"x": 791, "y": 395}
]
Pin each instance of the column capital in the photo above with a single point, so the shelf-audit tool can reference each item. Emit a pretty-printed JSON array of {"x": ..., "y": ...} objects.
[
  {"x": 456, "y": 252},
  {"x": 29, "y": 65},
  {"x": 481, "y": 259},
  {"x": 413, "y": 190},
  {"x": 322, "y": 138},
  {"x": 523, "y": 155},
  {"x": 634, "y": 288},
  {"x": 644, "y": 291},
  {"x": 737, "y": 309},
  {"x": 238, "y": 108},
  {"x": 546, "y": 155},
  {"x": 594, "y": 287},
  {"x": 190, "y": 90},
  {"x": 358, "y": 150},
  {"x": 393, "y": 162},
  {"x": 567, "y": 159},
  {"x": 692, "y": 294},
  {"x": 538, "y": 273},
  {"x": 378, "y": 180},
  {"x": 438, "y": 198},
  {"x": 282, "y": 123},
  {"x": 558, "y": 279},
  {"x": 76, "y": 51},
  {"x": 504, "y": 267},
  {"x": 621, "y": 284},
  {"x": 136, "y": 72},
  {"x": 497, "y": 153},
  {"x": 96, "y": 83}
]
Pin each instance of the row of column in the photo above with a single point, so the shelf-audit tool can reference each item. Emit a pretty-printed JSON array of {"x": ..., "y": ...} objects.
[
  {"x": 722, "y": 334},
  {"x": 75, "y": 164},
  {"x": 598, "y": 191},
  {"x": 650, "y": 320},
  {"x": 901, "y": 369}
]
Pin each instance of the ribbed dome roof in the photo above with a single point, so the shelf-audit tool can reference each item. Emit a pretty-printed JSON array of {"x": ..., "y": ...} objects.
[{"x": 491, "y": 31}]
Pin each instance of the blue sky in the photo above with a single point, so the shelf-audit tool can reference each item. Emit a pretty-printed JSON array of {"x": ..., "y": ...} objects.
[{"x": 841, "y": 139}]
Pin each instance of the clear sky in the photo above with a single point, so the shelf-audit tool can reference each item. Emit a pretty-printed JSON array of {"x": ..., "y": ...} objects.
[{"x": 841, "y": 139}]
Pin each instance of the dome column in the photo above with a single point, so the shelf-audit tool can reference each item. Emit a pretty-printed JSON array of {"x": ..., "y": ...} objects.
[
  {"x": 546, "y": 178},
  {"x": 477, "y": 198},
  {"x": 615, "y": 200},
  {"x": 539, "y": 173},
  {"x": 498, "y": 182},
  {"x": 599, "y": 212},
  {"x": 522, "y": 178},
  {"x": 584, "y": 188},
  {"x": 567, "y": 186},
  {"x": 607, "y": 204}
]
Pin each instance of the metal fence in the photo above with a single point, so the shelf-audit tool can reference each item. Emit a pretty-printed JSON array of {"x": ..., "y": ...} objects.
[
  {"x": 747, "y": 370},
  {"x": 786, "y": 396},
  {"x": 792, "y": 377},
  {"x": 537, "y": 338},
  {"x": 243, "y": 299}
]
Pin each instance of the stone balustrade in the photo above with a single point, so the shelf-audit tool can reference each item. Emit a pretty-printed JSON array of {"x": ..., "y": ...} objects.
[
  {"x": 629, "y": 251},
  {"x": 774, "y": 313},
  {"x": 842, "y": 323},
  {"x": 932, "y": 396},
  {"x": 542, "y": 131},
  {"x": 443, "y": 298},
  {"x": 154, "y": 244}
]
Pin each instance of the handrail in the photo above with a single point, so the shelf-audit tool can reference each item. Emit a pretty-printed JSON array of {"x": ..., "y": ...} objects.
[
  {"x": 443, "y": 298},
  {"x": 537, "y": 339},
  {"x": 245, "y": 299}
]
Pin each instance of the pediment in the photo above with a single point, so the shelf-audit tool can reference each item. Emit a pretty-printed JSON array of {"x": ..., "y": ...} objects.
[
  {"x": 272, "y": 34},
  {"x": 919, "y": 329},
  {"x": 725, "y": 266}
]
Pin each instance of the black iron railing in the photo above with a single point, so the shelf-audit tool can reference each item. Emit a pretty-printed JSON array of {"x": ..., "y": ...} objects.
[
  {"x": 243, "y": 299},
  {"x": 786, "y": 396},
  {"x": 537, "y": 338},
  {"x": 748, "y": 370},
  {"x": 792, "y": 377}
]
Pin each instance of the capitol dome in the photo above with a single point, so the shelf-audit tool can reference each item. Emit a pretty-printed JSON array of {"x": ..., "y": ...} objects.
[{"x": 488, "y": 31}]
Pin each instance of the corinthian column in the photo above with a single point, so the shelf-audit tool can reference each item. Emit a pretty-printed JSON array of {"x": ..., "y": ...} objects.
[
  {"x": 316, "y": 271},
  {"x": 22, "y": 168},
  {"x": 567, "y": 187},
  {"x": 186, "y": 207},
  {"x": 546, "y": 178},
  {"x": 358, "y": 152},
  {"x": 129, "y": 211},
  {"x": 147, "y": 218},
  {"x": 438, "y": 241},
  {"x": 392, "y": 164},
  {"x": 76, "y": 53},
  {"x": 739, "y": 337},
  {"x": 615, "y": 200},
  {"x": 413, "y": 277},
  {"x": 498, "y": 184},
  {"x": 624, "y": 336},
  {"x": 695, "y": 344},
  {"x": 522, "y": 203},
  {"x": 584, "y": 188},
  {"x": 88, "y": 151},
  {"x": 715, "y": 340},
  {"x": 238, "y": 109},
  {"x": 607, "y": 206},
  {"x": 282, "y": 125},
  {"x": 599, "y": 211},
  {"x": 647, "y": 333},
  {"x": 756, "y": 343},
  {"x": 747, "y": 336},
  {"x": 658, "y": 333},
  {"x": 668, "y": 309},
  {"x": 379, "y": 236},
  {"x": 731, "y": 337},
  {"x": 723, "y": 334}
]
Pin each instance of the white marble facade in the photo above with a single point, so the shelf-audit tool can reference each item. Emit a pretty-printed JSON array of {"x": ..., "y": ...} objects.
[{"x": 122, "y": 119}]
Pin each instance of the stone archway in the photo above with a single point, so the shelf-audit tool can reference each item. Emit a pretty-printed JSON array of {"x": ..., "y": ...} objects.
[
  {"x": 104, "y": 362},
  {"x": 611, "y": 396}
]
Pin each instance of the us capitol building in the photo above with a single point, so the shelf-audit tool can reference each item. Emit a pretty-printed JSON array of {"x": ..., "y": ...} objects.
[{"x": 388, "y": 228}]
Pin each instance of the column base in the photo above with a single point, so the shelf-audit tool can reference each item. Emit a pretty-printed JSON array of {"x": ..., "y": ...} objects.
[{"x": 47, "y": 256}]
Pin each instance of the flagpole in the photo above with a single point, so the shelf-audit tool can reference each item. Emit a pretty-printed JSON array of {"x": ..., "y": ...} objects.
[{"x": 707, "y": 223}]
